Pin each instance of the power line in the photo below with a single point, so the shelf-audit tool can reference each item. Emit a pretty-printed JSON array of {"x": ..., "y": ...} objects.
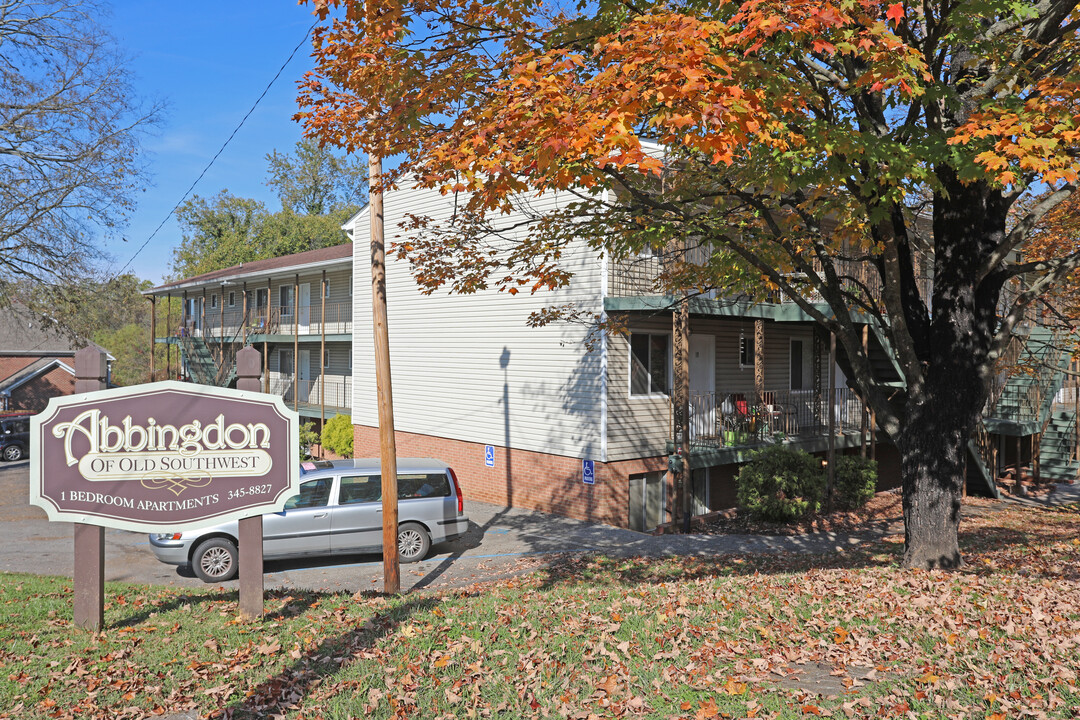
[{"x": 218, "y": 153}]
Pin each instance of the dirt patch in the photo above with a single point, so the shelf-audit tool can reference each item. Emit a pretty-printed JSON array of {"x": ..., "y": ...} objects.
[{"x": 824, "y": 679}]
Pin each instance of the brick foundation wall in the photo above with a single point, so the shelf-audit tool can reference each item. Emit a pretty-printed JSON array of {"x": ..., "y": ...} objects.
[{"x": 522, "y": 478}]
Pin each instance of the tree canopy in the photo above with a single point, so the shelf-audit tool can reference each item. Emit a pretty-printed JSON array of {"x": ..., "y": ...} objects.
[
  {"x": 70, "y": 127},
  {"x": 883, "y": 161},
  {"x": 319, "y": 191}
]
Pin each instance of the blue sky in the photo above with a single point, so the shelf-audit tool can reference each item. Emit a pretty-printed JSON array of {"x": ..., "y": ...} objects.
[{"x": 208, "y": 61}]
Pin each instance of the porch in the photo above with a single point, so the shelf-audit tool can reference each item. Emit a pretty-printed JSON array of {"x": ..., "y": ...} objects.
[{"x": 325, "y": 396}]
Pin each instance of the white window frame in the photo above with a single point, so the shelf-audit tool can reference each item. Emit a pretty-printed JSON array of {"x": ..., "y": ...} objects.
[
  {"x": 232, "y": 298},
  {"x": 326, "y": 358},
  {"x": 213, "y": 302},
  {"x": 630, "y": 366},
  {"x": 326, "y": 290}
]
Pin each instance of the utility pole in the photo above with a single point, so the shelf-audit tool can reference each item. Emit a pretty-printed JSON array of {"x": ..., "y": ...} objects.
[{"x": 387, "y": 443}]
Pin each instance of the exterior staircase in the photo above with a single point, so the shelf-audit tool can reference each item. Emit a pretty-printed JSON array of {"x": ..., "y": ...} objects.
[
  {"x": 1057, "y": 448},
  {"x": 203, "y": 368}
]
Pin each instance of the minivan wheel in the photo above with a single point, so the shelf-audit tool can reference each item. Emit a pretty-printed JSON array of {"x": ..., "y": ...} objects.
[
  {"x": 12, "y": 453},
  {"x": 413, "y": 543},
  {"x": 215, "y": 560}
]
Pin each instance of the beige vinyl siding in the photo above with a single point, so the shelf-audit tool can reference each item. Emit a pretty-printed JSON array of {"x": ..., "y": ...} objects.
[
  {"x": 467, "y": 367},
  {"x": 640, "y": 426},
  {"x": 637, "y": 424}
]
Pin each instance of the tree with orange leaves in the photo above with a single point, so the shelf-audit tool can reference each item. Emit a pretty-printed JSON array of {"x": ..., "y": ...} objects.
[{"x": 863, "y": 152}]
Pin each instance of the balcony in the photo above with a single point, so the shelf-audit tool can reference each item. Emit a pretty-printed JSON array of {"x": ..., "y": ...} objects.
[
  {"x": 643, "y": 276},
  {"x": 233, "y": 325},
  {"x": 737, "y": 419},
  {"x": 329, "y": 393}
]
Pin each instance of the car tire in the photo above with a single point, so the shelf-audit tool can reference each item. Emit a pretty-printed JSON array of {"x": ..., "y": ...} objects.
[
  {"x": 413, "y": 543},
  {"x": 215, "y": 560},
  {"x": 13, "y": 453}
]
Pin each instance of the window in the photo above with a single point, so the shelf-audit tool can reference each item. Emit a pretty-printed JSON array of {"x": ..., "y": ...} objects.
[
  {"x": 285, "y": 299},
  {"x": 213, "y": 301},
  {"x": 746, "y": 351},
  {"x": 326, "y": 289},
  {"x": 313, "y": 493},
  {"x": 650, "y": 364},
  {"x": 326, "y": 359},
  {"x": 261, "y": 296},
  {"x": 232, "y": 298},
  {"x": 285, "y": 362},
  {"x": 368, "y": 488},
  {"x": 796, "y": 365}
]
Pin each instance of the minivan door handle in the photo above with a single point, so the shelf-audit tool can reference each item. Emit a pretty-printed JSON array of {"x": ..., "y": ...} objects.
[{"x": 320, "y": 515}]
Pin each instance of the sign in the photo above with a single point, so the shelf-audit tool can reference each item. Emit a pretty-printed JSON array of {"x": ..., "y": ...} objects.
[
  {"x": 588, "y": 472},
  {"x": 163, "y": 456},
  {"x": 489, "y": 455}
]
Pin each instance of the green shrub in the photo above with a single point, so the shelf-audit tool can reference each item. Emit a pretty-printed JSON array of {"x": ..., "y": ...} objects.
[
  {"x": 781, "y": 484},
  {"x": 337, "y": 435},
  {"x": 854, "y": 482},
  {"x": 308, "y": 437}
]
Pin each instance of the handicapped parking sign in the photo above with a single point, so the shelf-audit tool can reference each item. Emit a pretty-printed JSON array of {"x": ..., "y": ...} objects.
[
  {"x": 489, "y": 455},
  {"x": 588, "y": 472}
]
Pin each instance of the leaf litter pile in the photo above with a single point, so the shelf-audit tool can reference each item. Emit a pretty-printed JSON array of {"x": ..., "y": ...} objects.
[{"x": 841, "y": 635}]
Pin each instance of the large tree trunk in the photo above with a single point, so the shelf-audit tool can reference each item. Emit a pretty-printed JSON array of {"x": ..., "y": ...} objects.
[
  {"x": 932, "y": 446},
  {"x": 940, "y": 414}
]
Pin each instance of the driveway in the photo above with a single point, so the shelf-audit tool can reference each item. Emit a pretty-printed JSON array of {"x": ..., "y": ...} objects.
[{"x": 502, "y": 542}]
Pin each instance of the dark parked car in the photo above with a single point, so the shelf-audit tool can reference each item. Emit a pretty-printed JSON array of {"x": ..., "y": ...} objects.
[
  {"x": 15, "y": 436},
  {"x": 338, "y": 511}
]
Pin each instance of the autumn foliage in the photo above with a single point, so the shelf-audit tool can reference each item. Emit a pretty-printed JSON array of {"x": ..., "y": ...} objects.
[{"x": 890, "y": 162}]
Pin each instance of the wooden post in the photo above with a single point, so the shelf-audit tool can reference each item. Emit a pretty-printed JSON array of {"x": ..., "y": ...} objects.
[
  {"x": 266, "y": 333},
  {"x": 387, "y": 441},
  {"x": 88, "y": 582},
  {"x": 759, "y": 360},
  {"x": 244, "y": 314},
  {"x": 168, "y": 334},
  {"x": 863, "y": 418},
  {"x": 153, "y": 335},
  {"x": 251, "y": 535},
  {"x": 296, "y": 342},
  {"x": 322, "y": 359},
  {"x": 680, "y": 400},
  {"x": 830, "y": 474},
  {"x": 202, "y": 315},
  {"x": 221, "y": 329}
]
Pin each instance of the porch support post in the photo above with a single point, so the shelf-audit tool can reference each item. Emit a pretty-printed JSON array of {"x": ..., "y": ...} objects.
[
  {"x": 168, "y": 333},
  {"x": 830, "y": 474},
  {"x": 680, "y": 399},
  {"x": 202, "y": 315},
  {"x": 221, "y": 330},
  {"x": 296, "y": 343},
  {"x": 322, "y": 359},
  {"x": 244, "y": 314},
  {"x": 266, "y": 347},
  {"x": 759, "y": 361},
  {"x": 863, "y": 417},
  {"x": 153, "y": 335}
]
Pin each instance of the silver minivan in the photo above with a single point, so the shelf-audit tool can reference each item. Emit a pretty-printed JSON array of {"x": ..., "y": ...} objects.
[{"x": 337, "y": 511}]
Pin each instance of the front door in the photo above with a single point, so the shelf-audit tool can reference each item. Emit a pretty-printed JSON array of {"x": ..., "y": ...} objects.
[
  {"x": 646, "y": 497},
  {"x": 305, "y": 309},
  {"x": 702, "y": 385},
  {"x": 304, "y": 370}
]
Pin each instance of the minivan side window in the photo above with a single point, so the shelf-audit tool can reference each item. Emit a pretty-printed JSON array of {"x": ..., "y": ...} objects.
[{"x": 368, "y": 488}]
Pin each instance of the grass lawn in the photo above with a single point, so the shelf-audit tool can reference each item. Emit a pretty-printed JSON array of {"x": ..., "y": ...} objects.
[{"x": 844, "y": 635}]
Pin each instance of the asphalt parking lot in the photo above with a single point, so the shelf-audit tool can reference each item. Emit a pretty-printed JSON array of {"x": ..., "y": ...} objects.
[{"x": 502, "y": 542}]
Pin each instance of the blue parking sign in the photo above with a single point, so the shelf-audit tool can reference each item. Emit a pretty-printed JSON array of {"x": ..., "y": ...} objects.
[
  {"x": 489, "y": 455},
  {"x": 588, "y": 472}
]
